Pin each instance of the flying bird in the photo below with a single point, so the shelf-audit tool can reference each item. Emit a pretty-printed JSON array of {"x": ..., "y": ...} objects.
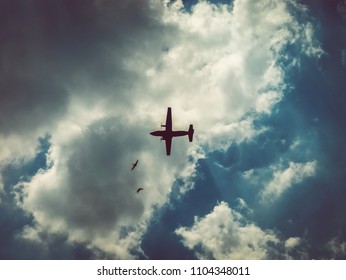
[
  {"x": 134, "y": 165},
  {"x": 139, "y": 189}
]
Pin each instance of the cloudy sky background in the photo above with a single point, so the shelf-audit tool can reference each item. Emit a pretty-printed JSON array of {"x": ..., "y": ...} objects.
[{"x": 84, "y": 82}]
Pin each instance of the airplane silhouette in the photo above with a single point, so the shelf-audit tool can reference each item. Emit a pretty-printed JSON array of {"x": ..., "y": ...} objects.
[
  {"x": 139, "y": 189},
  {"x": 168, "y": 133},
  {"x": 134, "y": 165}
]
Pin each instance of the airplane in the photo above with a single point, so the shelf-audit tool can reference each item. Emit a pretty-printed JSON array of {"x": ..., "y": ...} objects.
[
  {"x": 139, "y": 189},
  {"x": 169, "y": 133},
  {"x": 134, "y": 165}
]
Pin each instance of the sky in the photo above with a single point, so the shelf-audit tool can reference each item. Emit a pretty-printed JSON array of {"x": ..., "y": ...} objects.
[{"x": 82, "y": 85}]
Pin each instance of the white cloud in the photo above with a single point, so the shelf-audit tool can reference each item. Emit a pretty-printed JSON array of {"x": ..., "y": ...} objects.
[
  {"x": 221, "y": 136},
  {"x": 310, "y": 45},
  {"x": 243, "y": 208},
  {"x": 337, "y": 247},
  {"x": 225, "y": 234},
  {"x": 292, "y": 242},
  {"x": 224, "y": 65},
  {"x": 284, "y": 178},
  {"x": 215, "y": 67},
  {"x": 266, "y": 101}
]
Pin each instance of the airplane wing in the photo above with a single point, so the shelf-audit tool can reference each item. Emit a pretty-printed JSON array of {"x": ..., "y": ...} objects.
[
  {"x": 169, "y": 119},
  {"x": 168, "y": 145}
]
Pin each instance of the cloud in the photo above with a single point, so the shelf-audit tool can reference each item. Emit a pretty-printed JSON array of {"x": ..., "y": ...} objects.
[
  {"x": 292, "y": 242},
  {"x": 337, "y": 247},
  {"x": 65, "y": 53},
  {"x": 291, "y": 162},
  {"x": 284, "y": 178},
  {"x": 113, "y": 69},
  {"x": 310, "y": 44},
  {"x": 341, "y": 9},
  {"x": 266, "y": 101},
  {"x": 90, "y": 192},
  {"x": 221, "y": 235},
  {"x": 243, "y": 208},
  {"x": 231, "y": 51},
  {"x": 226, "y": 234}
]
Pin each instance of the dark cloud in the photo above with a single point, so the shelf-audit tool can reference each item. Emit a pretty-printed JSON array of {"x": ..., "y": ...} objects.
[
  {"x": 99, "y": 195},
  {"x": 95, "y": 188},
  {"x": 341, "y": 8},
  {"x": 51, "y": 50}
]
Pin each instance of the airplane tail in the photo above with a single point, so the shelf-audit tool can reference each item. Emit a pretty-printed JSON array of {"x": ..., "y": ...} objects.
[{"x": 190, "y": 132}]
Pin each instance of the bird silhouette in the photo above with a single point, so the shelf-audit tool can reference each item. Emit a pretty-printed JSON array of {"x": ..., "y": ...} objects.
[
  {"x": 134, "y": 165},
  {"x": 139, "y": 189}
]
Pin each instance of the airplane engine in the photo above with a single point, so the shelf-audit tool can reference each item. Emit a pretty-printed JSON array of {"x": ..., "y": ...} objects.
[{"x": 190, "y": 132}]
